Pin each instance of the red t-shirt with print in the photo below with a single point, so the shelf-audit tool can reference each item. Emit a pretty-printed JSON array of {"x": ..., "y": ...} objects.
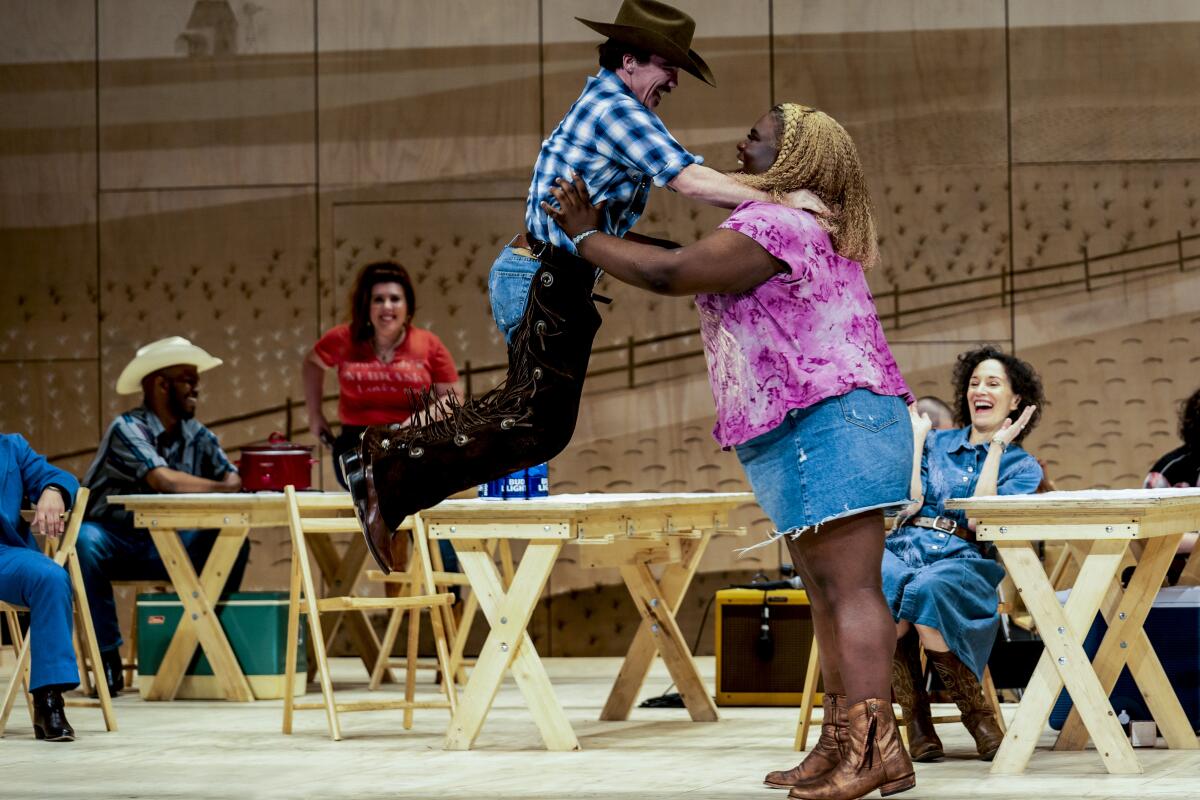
[{"x": 373, "y": 393}]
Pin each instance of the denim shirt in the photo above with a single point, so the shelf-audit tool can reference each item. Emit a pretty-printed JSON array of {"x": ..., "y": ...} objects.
[{"x": 950, "y": 467}]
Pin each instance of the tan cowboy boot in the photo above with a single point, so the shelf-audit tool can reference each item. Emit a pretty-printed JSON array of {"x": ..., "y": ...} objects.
[
  {"x": 875, "y": 759},
  {"x": 964, "y": 687},
  {"x": 908, "y": 686},
  {"x": 825, "y": 754}
]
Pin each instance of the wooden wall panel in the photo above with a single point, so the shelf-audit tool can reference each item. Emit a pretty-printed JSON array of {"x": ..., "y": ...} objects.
[
  {"x": 1107, "y": 208},
  {"x": 920, "y": 87},
  {"x": 47, "y": 181},
  {"x": 53, "y": 404},
  {"x": 1114, "y": 400},
  {"x": 416, "y": 91},
  {"x": 1104, "y": 81},
  {"x": 916, "y": 83},
  {"x": 206, "y": 94},
  {"x": 232, "y": 270}
]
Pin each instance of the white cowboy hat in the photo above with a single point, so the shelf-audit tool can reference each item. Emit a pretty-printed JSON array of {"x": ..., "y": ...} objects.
[{"x": 169, "y": 352}]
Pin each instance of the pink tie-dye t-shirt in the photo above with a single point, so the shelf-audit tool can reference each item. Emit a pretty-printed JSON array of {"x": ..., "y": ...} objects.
[{"x": 801, "y": 337}]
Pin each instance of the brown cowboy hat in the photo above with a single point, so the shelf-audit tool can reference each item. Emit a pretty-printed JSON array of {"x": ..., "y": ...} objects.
[{"x": 658, "y": 28}]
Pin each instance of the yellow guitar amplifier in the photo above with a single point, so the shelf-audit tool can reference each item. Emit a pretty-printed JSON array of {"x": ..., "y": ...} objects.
[{"x": 763, "y": 639}]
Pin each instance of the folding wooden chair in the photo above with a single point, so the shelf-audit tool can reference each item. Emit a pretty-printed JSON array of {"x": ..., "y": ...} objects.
[
  {"x": 309, "y": 515},
  {"x": 87, "y": 651},
  {"x": 458, "y": 629},
  {"x": 411, "y": 582}
]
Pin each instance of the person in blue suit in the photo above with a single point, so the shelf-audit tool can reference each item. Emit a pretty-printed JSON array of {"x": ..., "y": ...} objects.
[{"x": 30, "y": 579}]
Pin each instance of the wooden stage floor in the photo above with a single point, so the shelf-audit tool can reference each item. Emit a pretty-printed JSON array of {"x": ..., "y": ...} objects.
[{"x": 224, "y": 750}]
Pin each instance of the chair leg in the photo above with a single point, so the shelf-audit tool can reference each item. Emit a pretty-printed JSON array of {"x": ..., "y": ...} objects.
[
  {"x": 130, "y": 664},
  {"x": 385, "y": 648},
  {"x": 308, "y": 589},
  {"x": 92, "y": 648},
  {"x": 21, "y": 645},
  {"x": 443, "y": 657},
  {"x": 81, "y": 663},
  {"x": 806, "y": 698},
  {"x": 449, "y": 621},
  {"x": 989, "y": 691},
  {"x": 293, "y": 642},
  {"x": 410, "y": 676},
  {"x": 457, "y": 655}
]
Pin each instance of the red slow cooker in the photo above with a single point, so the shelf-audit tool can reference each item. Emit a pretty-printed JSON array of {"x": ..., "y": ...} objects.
[{"x": 276, "y": 464}]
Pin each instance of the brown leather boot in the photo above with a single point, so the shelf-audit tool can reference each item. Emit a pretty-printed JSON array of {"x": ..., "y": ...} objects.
[
  {"x": 977, "y": 714},
  {"x": 908, "y": 685},
  {"x": 827, "y": 752},
  {"x": 875, "y": 759}
]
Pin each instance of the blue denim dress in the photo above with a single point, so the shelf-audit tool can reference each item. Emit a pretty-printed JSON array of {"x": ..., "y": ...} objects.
[{"x": 936, "y": 579}]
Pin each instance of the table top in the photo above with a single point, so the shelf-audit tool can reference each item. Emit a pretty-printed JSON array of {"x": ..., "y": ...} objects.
[
  {"x": 1124, "y": 501},
  {"x": 1121, "y": 513},
  {"x": 239, "y": 501},
  {"x": 553, "y": 503},
  {"x": 568, "y": 504}
]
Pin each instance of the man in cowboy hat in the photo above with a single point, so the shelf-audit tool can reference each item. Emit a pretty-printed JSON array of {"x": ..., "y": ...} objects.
[
  {"x": 157, "y": 447},
  {"x": 614, "y": 138}
]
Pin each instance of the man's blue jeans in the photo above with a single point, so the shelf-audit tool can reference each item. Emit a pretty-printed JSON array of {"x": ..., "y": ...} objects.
[
  {"x": 508, "y": 289},
  {"x": 106, "y": 556}
]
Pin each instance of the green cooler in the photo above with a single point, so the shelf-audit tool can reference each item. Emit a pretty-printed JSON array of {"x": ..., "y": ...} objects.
[{"x": 256, "y": 626}]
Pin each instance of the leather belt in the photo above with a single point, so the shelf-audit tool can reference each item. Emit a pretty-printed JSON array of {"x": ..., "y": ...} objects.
[
  {"x": 523, "y": 244},
  {"x": 544, "y": 251},
  {"x": 943, "y": 524}
]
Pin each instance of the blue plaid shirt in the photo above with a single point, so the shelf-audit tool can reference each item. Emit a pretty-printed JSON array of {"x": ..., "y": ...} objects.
[
  {"x": 617, "y": 145},
  {"x": 135, "y": 443}
]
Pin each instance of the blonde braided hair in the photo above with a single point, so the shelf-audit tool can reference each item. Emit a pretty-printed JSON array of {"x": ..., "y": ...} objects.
[{"x": 816, "y": 153}]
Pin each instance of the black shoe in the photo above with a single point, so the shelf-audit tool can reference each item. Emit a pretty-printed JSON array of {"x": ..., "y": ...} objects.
[
  {"x": 50, "y": 718},
  {"x": 114, "y": 670}
]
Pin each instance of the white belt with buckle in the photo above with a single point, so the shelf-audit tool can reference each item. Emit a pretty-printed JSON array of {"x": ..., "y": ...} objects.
[{"x": 938, "y": 523}]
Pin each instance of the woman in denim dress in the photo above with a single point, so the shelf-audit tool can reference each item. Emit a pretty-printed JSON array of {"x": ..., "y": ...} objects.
[
  {"x": 940, "y": 587},
  {"x": 808, "y": 394}
]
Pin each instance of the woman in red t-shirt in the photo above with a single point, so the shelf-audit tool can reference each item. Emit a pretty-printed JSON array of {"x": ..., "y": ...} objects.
[{"x": 380, "y": 358}]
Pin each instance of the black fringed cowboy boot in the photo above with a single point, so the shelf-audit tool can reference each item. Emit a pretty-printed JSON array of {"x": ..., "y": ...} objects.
[
  {"x": 908, "y": 687},
  {"x": 529, "y": 418}
]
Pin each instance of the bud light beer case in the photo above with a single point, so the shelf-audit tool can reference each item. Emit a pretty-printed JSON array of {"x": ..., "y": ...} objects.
[{"x": 522, "y": 484}]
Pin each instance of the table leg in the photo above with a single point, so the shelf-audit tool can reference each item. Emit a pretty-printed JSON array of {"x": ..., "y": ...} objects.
[
  {"x": 199, "y": 624},
  {"x": 508, "y": 645},
  {"x": 1190, "y": 576},
  {"x": 658, "y": 614},
  {"x": 1126, "y": 642},
  {"x": 1064, "y": 661},
  {"x": 676, "y": 579},
  {"x": 340, "y": 574}
]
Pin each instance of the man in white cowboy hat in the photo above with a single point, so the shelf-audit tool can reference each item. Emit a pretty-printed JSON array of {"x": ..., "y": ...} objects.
[
  {"x": 612, "y": 136},
  {"x": 157, "y": 447}
]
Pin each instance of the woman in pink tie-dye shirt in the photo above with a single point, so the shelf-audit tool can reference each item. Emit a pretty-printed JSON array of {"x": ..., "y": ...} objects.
[{"x": 809, "y": 396}]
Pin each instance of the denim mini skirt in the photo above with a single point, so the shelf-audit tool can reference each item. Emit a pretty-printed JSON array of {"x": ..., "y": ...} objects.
[{"x": 843, "y": 456}]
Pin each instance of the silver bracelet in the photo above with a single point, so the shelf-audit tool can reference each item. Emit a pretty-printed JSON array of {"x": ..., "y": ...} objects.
[
  {"x": 1003, "y": 444},
  {"x": 579, "y": 237}
]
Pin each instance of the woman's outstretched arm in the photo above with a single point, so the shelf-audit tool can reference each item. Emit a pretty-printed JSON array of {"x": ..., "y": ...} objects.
[{"x": 724, "y": 262}]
